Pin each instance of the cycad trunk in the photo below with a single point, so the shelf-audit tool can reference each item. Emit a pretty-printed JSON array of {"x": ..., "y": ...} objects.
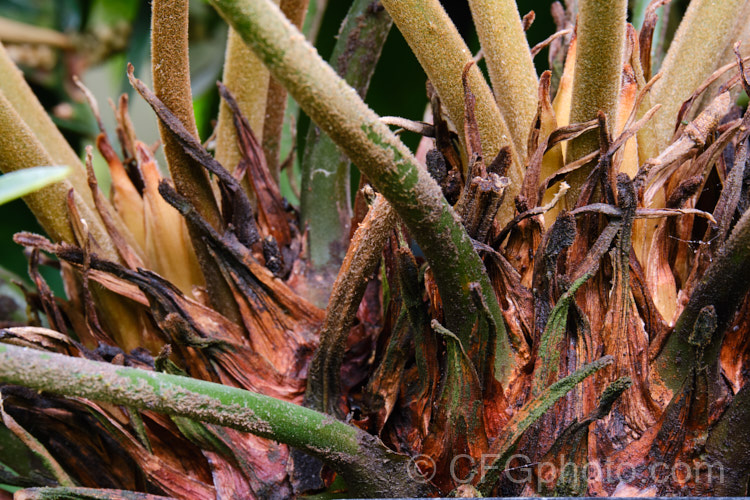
[{"x": 488, "y": 331}]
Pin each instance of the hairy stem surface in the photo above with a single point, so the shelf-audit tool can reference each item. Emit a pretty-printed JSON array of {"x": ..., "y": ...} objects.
[
  {"x": 509, "y": 63},
  {"x": 598, "y": 71},
  {"x": 247, "y": 79},
  {"x": 391, "y": 167},
  {"x": 276, "y": 103},
  {"x": 361, "y": 261},
  {"x": 443, "y": 54},
  {"x": 171, "y": 74},
  {"x": 693, "y": 55},
  {"x": 20, "y": 148},
  {"x": 369, "y": 468},
  {"x": 22, "y": 98}
]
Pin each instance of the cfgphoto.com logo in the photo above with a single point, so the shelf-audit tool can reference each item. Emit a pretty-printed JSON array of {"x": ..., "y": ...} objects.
[{"x": 518, "y": 469}]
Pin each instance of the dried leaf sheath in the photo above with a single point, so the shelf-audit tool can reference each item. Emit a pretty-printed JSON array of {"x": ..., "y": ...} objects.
[
  {"x": 167, "y": 243},
  {"x": 390, "y": 167},
  {"x": 360, "y": 262}
]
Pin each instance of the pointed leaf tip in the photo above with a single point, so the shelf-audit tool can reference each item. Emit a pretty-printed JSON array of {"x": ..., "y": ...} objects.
[{"x": 22, "y": 182}]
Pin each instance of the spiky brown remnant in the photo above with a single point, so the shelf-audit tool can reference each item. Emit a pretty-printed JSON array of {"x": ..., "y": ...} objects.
[{"x": 207, "y": 344}]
